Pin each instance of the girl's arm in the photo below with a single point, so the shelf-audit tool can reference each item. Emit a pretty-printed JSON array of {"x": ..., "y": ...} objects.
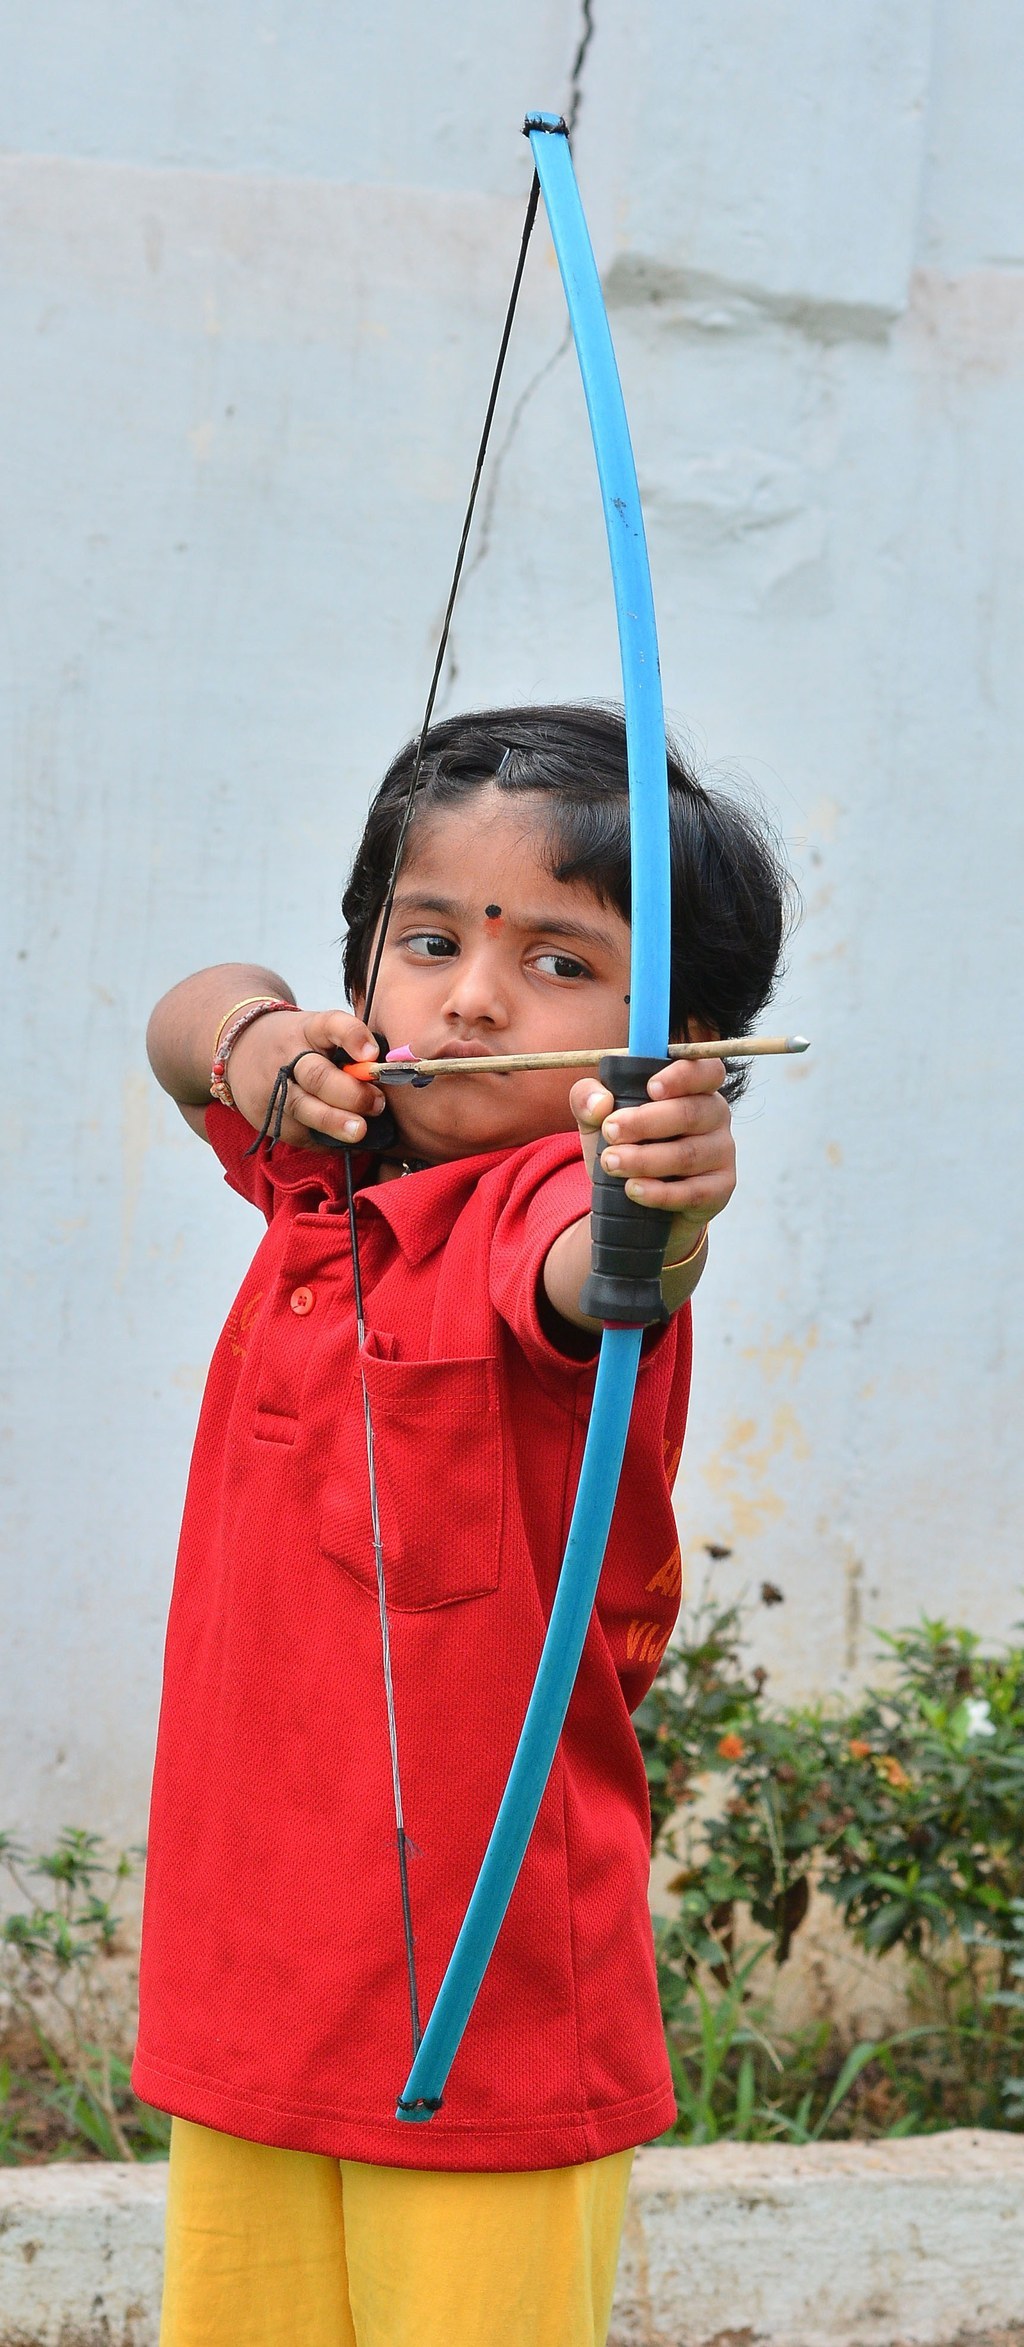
[
  {"x": 184, "y": 1026},
  {"x": 183, "y": 1030},
  {"x": 677, "y": 1153}
]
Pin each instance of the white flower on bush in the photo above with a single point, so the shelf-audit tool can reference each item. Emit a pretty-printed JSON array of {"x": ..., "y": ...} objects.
[{"x": 978, "y": 1717}]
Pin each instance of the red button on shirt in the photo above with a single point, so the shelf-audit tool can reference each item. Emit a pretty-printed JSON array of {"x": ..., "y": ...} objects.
[
  {"x": 274, "y": 1997},
  {"x": 302, "y": 1300}
]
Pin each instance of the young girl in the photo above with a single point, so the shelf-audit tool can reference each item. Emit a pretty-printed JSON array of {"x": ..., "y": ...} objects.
[{"x": 275, "y": 2010}]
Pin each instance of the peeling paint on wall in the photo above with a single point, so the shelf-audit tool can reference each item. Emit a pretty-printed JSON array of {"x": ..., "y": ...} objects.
[{"x": 738, "y": 1472}]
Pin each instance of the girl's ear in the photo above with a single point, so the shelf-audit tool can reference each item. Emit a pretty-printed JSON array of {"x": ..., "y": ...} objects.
[{"x": 695, "y": 1031}]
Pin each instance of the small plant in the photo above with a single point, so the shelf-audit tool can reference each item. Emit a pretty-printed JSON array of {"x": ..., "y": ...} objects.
[
  {"x": 73, "y": 2094},
  {"x": 737, "y": 2078},
  {"x": 905, "y": 1811},
  {"x": 702, "y": 1696}
]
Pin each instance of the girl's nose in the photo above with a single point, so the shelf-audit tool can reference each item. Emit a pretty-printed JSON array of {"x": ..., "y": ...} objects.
[{"x": 478, "y": 994}]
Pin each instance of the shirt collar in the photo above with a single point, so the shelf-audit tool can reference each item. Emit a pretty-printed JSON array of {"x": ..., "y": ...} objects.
[{"x": 420, "y": 1208}]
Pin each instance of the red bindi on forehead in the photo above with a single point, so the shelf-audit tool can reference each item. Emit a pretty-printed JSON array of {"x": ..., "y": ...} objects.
[{"x": 492, "y": 916}]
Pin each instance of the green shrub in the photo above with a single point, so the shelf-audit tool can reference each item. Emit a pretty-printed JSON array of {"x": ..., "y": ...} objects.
[
  {"x": 905, "y": 1811},
  {"x": 70, "y": 2094}
]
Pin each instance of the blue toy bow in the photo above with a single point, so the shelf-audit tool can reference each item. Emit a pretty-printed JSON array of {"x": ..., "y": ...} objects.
[{"x": 619, "y": 1357}]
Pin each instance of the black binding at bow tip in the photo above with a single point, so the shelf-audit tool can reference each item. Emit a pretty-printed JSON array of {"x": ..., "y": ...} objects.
[
  {"x": 421, "y": 2102},
  {"x": 559, "y": 129}
]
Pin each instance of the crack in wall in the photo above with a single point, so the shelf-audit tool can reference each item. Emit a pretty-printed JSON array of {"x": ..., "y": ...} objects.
[
  {"x": 521, "y": 404},
  {"x": 490, "y": 499},
  {"x": 576, "y": 74}
]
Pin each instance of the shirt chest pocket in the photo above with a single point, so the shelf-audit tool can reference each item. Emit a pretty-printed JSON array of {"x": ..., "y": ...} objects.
[{"x": 438, "y": 1459}]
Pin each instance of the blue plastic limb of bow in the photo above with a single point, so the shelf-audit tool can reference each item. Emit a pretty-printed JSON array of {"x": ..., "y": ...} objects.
[{"x": 648, "y": 1034}]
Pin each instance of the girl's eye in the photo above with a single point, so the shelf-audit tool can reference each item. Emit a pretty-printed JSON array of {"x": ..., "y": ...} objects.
[
  {"x": 429, "y": 945},
  {"x": 560, "y": 965}
]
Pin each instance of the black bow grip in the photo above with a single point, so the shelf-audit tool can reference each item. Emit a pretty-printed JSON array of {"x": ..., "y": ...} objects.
[{"x": 628, "y": 1241}]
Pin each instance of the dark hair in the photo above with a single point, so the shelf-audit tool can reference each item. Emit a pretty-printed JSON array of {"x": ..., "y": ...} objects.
[{"x": 728, "y": 881}]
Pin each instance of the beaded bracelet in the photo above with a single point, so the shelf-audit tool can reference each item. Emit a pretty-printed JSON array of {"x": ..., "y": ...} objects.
[{"x": 233, "y": 1024}]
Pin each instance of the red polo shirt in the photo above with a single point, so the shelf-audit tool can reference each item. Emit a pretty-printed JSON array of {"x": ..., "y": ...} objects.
[{"x": 273, "y": 1992}]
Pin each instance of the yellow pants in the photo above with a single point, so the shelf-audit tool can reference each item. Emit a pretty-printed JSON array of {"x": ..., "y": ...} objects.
[{"x": 287, "y": 2249}]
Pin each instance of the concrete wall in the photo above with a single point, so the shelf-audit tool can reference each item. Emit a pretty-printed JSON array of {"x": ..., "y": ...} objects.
[{"x": 255, "y": 262}]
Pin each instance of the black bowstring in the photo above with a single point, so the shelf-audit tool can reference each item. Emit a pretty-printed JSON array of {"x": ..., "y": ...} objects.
[
  {"x": 492, "y": 401},
  {"x": 404, "y": 1844},
  {"x": 270, "y": 1130}
]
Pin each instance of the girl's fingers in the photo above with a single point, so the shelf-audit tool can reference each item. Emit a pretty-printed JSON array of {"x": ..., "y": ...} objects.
[
  {"x": 311, "y": 1115},
  {"x": 321, "y": 1081},
  {"x": 590, "y": 1104},
  {"x": 681, "y": 1159},
  {"x": 659, "y": 1119},
  {"x": 687, "y": 1075},
  {"x": 325, "y": 1030},
  {"x": 706, "y": 1196}
]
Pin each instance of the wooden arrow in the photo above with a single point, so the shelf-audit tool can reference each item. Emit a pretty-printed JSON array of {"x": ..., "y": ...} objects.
[{"x": 402, "y": 1068}]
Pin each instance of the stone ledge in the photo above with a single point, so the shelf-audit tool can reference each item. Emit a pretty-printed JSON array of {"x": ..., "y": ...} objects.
[
  {"x": 912, "y": 2244},
  {"x": 81, "y": 2255},
  {"x": 917, "y": 2243}
]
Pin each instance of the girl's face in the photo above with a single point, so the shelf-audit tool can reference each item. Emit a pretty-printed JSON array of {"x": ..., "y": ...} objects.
[{"x": 485, "y": 953}]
